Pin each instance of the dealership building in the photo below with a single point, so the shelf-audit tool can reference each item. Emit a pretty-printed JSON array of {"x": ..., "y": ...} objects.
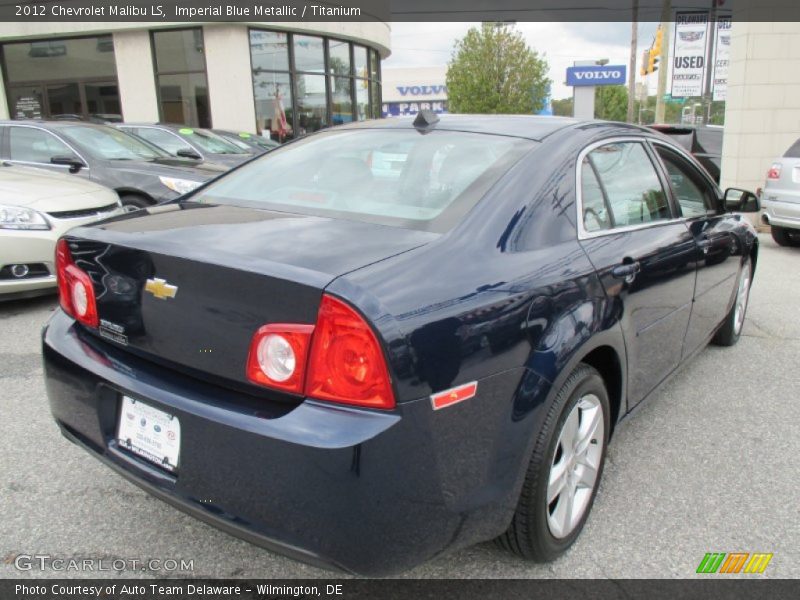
[{"x": 283, "y": 79}]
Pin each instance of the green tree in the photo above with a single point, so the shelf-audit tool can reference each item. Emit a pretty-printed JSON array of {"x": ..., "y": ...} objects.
[
  {"x": 493, "y": 71},
  {"x": 563, "y": 107},
  {"x": 611, "y": 102}
]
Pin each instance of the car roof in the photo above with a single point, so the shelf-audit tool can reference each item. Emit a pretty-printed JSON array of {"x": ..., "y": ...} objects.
[
  {"x": 532, "y": 127},
  {"x": 53, "y": 124}
]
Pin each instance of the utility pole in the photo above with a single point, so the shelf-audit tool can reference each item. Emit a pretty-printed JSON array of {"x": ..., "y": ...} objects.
[
  {"x": 707, "y": 94},
  {"x": 632, "y": 65},
  {"x": 666, "y": 9}
]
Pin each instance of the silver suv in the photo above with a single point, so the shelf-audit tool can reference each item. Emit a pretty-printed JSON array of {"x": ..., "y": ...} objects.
[{"x": 781, "y": 198}]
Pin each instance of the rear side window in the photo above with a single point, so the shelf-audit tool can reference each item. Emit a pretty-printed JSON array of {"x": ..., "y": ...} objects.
[
  {"x": 629, "y": 185},
  {"x": 793, "y": 151},
  {"x": 391, "y": 177},
  {"x": 34, "y": 145}
]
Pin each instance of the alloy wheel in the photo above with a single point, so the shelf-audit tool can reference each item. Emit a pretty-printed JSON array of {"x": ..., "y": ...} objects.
[
  {"x": 742, "y": 295},
  {"x": 575, "y": 465}
]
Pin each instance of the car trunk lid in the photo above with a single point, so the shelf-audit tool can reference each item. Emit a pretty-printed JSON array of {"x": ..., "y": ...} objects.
[{"x": 189, "y": 285}]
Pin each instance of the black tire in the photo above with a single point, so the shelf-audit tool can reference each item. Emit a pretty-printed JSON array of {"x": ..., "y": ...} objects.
[
  {"x": 727, "y": 335},
  {"x": 134, "y": 200},
  {"x": 529, "y": 535},
  {"x": 780, "y": 235}
]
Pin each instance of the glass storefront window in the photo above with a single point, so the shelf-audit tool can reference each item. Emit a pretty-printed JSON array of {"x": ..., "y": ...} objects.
[
  {"x": 307, "y": 91},
  {"x": 273, "y": 98},
  {"x": 373, "y": 65},
  {"x": 269, "y": 50},
  {"x": 360, "y": 59},
  {"x": 102, "y": 100},
  {"x": 375, "y": 90},
  {"x": 181, "y": 76},
  {"x": 26, "y": 102},
  {"x": 362, "y": 100},
  {"x": 79, "y": 58},
  {"x": 179, "y": 51},
  {"x": 339, "y": 55},
  {"x": 64, "y": 100},
  {"x": 341, "y": 100},
  {"x": 308, "y": 54},
  {"x": 312, "y": 112},
  {"x": 184, "y": 99}
]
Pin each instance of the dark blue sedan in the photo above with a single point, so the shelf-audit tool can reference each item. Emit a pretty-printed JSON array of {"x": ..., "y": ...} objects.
[{"x": 395, "y": 338}]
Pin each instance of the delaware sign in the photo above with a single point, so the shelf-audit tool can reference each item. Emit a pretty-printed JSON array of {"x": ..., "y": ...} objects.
[{"x": 596, "y": 75}]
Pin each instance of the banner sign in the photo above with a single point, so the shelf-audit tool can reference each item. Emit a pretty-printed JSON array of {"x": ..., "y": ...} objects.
[
  {"x": 722, "y": 59},
  {"x": 404, "y": 109},
  {"x": 689, "y": 52},
  {"x": 596, "y": 75}
]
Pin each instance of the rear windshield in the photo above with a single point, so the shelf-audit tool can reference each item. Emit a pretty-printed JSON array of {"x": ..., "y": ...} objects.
[
  {"x": 793, "y": 151},
  {"x": 392, "y": 177}
]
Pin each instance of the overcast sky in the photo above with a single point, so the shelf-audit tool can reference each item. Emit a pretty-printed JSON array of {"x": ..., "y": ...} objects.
[{"x": 431, "y": 44}]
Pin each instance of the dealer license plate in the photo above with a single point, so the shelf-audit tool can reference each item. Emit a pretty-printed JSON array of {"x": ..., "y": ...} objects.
[{"x": 149, "y": 433}]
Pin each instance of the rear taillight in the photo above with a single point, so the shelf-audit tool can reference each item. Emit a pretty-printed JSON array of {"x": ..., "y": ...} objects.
[
  {"x": 278, "y": 355},
  {"x": 339, "y": 359},
  {"x": 774, "y": 171},
  {"x": 75, "y": 289},
  {"x": 346, "y": 363}
]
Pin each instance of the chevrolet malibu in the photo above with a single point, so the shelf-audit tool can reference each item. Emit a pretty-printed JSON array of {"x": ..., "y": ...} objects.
[{"x": 363, "y": 371}]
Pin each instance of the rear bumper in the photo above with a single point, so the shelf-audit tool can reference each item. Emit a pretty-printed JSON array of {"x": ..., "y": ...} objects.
[
  {"x": 367, "y": 492},
  {"x": 782, "y": 209}
]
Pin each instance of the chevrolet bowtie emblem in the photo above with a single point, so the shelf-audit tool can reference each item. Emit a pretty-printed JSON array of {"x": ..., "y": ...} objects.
[{"x": 160, "y": 288}]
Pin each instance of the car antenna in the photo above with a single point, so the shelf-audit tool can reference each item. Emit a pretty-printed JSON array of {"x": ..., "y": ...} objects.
[{"x": 425, "y": 119}]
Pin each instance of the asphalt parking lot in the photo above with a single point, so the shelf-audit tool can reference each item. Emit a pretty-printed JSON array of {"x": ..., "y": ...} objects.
[{"x": 710, "y": 464}]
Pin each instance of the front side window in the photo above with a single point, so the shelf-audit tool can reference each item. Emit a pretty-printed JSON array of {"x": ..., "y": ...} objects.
[
  {"x": 691, "y": 193},
  {"x": 163, "y": 139},
  {"x": 630, "y": 185},
  {"x": 208, "y": 141},
  {"x": 107, "y": 143},
  {"x": 398, "y": 178},
  {"x": 34, "y": 145}
]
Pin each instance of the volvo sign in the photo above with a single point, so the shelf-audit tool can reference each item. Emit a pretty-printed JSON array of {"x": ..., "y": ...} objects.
[{"x": 596, "y": 75}]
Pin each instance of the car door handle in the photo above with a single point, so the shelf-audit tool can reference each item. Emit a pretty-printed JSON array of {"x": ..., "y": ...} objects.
[
  {"x": 704, "y": 244},
  {"x": 626, "y": 271}
]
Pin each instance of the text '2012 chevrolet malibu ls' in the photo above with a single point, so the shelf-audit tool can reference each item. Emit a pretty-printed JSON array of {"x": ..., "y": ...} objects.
[{"x": 362, "y": 367}]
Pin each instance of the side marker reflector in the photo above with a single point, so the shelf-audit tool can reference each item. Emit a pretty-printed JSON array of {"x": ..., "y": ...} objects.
[{"x": 454, "y": 395}]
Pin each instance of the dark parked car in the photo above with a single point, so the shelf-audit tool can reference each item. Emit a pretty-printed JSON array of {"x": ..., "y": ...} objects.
[
  {"x": 255, "y": 144},
  {"x": 703, "y": 141},
  {"x": 139, "y": 172},
  {"x": 362, "y": 371},
  {"x": 189, "y": 142}
]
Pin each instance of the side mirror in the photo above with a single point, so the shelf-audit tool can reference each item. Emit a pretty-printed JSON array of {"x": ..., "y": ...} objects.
[
  {"x": 74, "y": 163},
  {"x": 188, "y": 153},
  {"x": 737, "y": 200}
]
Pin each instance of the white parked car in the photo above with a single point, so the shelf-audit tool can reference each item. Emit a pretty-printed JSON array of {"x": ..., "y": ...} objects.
[
  {"x": 781, "y": 197},
  {"x": 36, "y": 208}
]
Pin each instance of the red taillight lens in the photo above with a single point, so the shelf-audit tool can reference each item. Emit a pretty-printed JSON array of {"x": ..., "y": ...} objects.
[
  {"x": 774, "y": 171},
  {"x": 346, "y": 363},
  {"x": 75, "y": 288},
  {"x": 278, "y": 356},
  {"x": 339, "y": 359}
]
